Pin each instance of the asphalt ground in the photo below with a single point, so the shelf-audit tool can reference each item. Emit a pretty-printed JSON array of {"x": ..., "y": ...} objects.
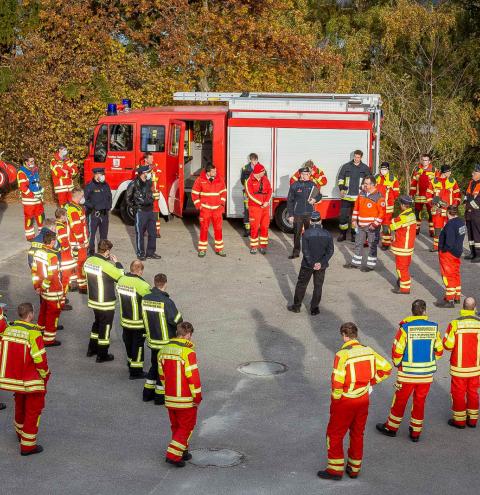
[{"x": 100, "y": 438}]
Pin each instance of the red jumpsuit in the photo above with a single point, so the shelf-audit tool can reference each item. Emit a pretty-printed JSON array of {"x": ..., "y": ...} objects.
[
  {"x": 258, "y": 193},
  {"x": 416, "y": 348},
  {"x": 356, "y": 368},
  {"x": 46, "y": 276},
  {"x": 462, "y": 338},
  {"x": 209, "y": 197},
  {"x": 178, "y": 371},
  {"x": 25, "y": 372},
  {"x": 404, "y": 229},
  {"x": 389, "y": 187},
  {"x": 67, "y": 262},
  {"x": 63, "y": 172},
  {"x": 32, "y": 202},
  {"x": 418, "y": 190},
  {"x": 78, "y": 238}
]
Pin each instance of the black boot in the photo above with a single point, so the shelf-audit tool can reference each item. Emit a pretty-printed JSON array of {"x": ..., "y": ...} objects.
[
  {"x": 325, "y": 475},
  {"x": 343, "y": 236},
  {"x": 104, "y": 358},
  {"x": 352, "y": 235},
  {"x": 472, "y": 254},
  {"x": 186, "y": 455},
  {"x": 385, "y": 431},
  {"x": 178, "y": 464}
]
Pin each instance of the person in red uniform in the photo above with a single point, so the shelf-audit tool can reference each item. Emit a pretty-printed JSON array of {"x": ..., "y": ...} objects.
[
  {"x": 389, "y": 187},
  {"x": 25, "y": 372},
  {"x": 67, "y": 263},
  {"x": 355, "y": 370},
  {"x": 209, "y": 194},
  {"x": 442, "y": 192},
  {"x": 28, "y": 180},
  {"x": 78, "y": 235},
  {"x": 415, "y": 351},
  {"x": 259, "y": 193},
  {"x": 404, "y": 231},
  {"x": 450, "y": 249},
  {"x": 317, "y": 175},
  {"x": 157, "y": 187},
  {"x": 462, "y": 338},
  {"x": 46, "y": 278},
  {"x": 178, "y": 372},
  {"x": 420, "y": 182},
  {"x": 63, "y": 171}
]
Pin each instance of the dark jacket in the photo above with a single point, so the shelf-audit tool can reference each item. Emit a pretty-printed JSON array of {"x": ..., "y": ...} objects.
[
  {"x": 298, "y": 194},
  {"x": 98, "y": 197},
  {"x": 140, "y": 195},
  {"x": 246, "y": 171},
  {"x": 317, "y": 246},
  {"x": 452, "y": 236},
  {"x": 350, "y": 177}
]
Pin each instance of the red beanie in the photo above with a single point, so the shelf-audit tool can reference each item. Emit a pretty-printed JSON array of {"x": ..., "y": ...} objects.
[{"x": 258, "y": 168}]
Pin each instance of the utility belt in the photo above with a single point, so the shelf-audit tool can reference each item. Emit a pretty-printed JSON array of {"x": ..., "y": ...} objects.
[{"x": 98, "y": 213}]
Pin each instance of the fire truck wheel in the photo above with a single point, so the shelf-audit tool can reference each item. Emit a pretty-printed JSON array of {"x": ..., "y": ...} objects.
[
  {"x": 126, "y": 212},
  {"x": 3, "y": 180},
  {"x": 281, "y": 218}
]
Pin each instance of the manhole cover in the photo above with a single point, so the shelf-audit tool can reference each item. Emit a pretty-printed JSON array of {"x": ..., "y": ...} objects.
[
  {"x": 262, "y": 368},
  {"x": 216, "y": 457}
]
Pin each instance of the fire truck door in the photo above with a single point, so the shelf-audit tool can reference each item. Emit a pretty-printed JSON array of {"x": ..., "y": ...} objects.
[
  {"x": 175, "y": 166},
  {"x": 121, "y": 160}
]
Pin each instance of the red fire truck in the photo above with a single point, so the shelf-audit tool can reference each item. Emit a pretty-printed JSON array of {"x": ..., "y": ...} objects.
[{"x": 284, "y": 130}]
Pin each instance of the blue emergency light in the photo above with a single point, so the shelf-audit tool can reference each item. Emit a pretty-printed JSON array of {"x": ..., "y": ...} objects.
[
  {"x": 127, "y": 104},
  {"x": 112, "y": 109}
]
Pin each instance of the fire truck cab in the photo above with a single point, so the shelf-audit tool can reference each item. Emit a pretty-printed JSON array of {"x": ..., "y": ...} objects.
[{"x": 283, "y": 129}]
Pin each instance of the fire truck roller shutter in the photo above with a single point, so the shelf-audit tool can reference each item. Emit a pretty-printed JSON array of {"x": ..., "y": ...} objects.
[{"x": 243, "y": 141}]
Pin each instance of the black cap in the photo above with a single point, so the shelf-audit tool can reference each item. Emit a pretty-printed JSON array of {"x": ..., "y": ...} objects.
[
  {"x": 315, "y": 216},
  {"x": 477, "y": 168},
  {"x": 304, "y": 169},
  {"x": 445, "y": 168},
  {"x": 385, "y": 165},
  {"x": 98, "y": 170},
  {"x": 143, "y": 169},
  {"x": 405, "y": 200}
]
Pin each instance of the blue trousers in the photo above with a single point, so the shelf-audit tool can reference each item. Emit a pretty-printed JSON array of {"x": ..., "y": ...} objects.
[
  {"x": 145, "y": 222},
  {"x": 95, "y": 223}
]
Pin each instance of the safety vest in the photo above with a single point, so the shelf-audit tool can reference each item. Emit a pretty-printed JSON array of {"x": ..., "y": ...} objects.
[
  {"x": 23, "y": 358},
  {"x": 46, "y": 274},
  {"x": 389, "y": 187},
  {"x": 63, "y": 172},
  {"x": 416, "y": 348},
  {"x": 463, "y": 339},
  {"x": 178, "y": 370},
  {"x": 420, "y": 182},
  {"x": 160, "y": 318},
  {"x": 447, "y": 191},
  {"x": 355, "y": 368},
  {"x": 102, "y": 274},
  {"x": 369, "y": 209},
  {"x": 29, "y": 184},
  {"x": 131, "y": 289},
  {"x": 405, "y": 228},
  {"x": 77, "y": 225}
]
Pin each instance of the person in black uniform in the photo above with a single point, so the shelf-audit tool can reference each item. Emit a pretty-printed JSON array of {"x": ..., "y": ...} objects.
[
  {"x": 472, "y": 215},
  {"x": 98, "y": 203},
  {"x": 317, "y": 248},
  {"x": 246, "y": 171},
  {"x": 140, "y": 198},
  {"x": 160, "y": 317},
  {"x": 350, "y": 178},
  {"x": 302, "y": 195}
]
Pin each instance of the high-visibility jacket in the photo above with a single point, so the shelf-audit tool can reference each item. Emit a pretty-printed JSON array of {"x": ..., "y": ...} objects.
[
  {"x": 46, "y": 274},
  {"x": 160, "y": 318},
  {"x": 405, "y": 228},
  {"x": 37, "y": 243},
  {"x": 416, "y": 349},
  {"x": 317, "y": 177},
  {"x": 258, "y": 191},
  {"x": 28, "y": 181},
  {"x": 102, "y": 274},
  {"x": 245, "y": 173},
  {"x": 463, "y": 339},
  {"x": 209, "y": 194},
  {"x": 63, "y": 240},
  {"x": 131, "y": 289},
  {"x": 356, "y": 367},
  {"x": 350, "y": 178},
  {"x": 389, "y": 187},
  {"x": 63, "y": 172},
  {"x": 24, "y": 366},
  {"x": 77, "y": 226},
  {"x": 369, "y": 209},
  {"x": 420, "y": 182},
  {"x": 472, "y": 199},
  {"x": 178, "y": 370},
  {"x": 3, "y": 321},
  {"x": 447, "y": 191}
]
